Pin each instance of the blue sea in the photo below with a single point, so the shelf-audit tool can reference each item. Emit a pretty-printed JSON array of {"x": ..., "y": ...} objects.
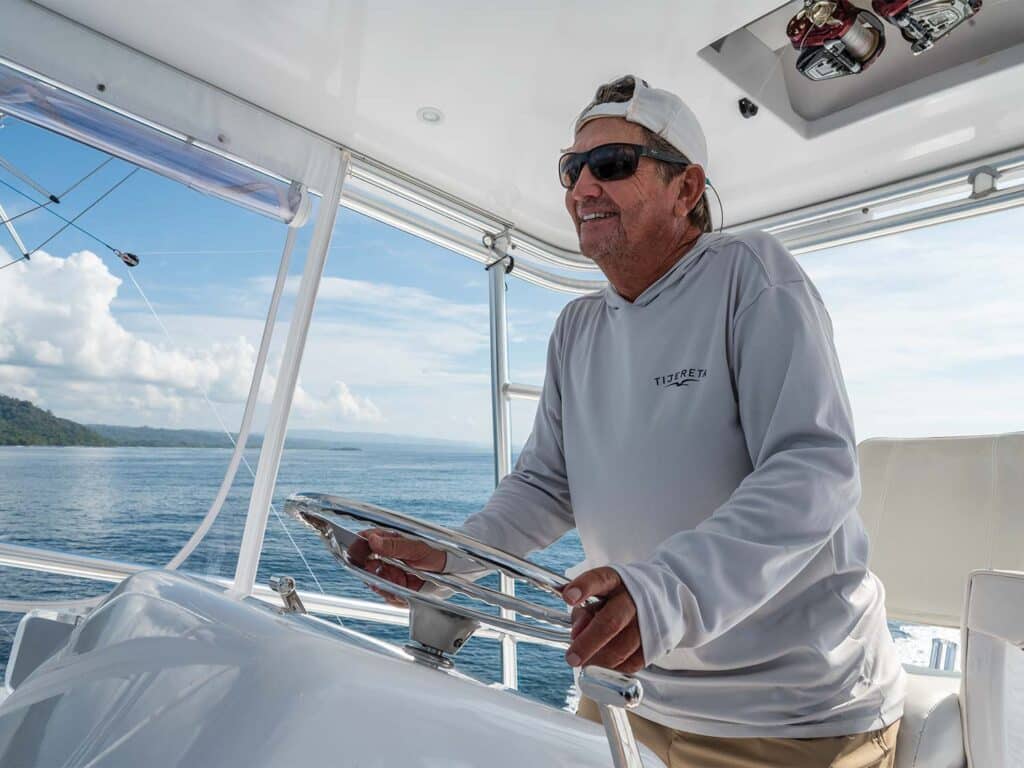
[{"x": 140, "y": 505}]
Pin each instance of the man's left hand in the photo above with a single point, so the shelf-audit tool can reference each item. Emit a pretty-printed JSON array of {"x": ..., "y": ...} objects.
[{"x": 608, "y": 634}]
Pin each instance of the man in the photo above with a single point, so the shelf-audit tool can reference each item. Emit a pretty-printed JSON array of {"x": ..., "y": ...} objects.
[{"x": 695, "y": 428}]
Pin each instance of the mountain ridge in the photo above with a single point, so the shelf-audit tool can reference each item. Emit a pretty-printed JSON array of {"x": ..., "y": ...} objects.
[{"x": 24, "y": 423}]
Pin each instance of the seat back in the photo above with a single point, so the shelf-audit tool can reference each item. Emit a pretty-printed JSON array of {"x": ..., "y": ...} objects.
[
  {"x": 992, "y": 693},
  {"x": 936, "y": 509}
]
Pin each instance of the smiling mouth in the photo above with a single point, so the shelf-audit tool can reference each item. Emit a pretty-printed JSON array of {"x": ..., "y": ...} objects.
[{"x": 592, "y": 217}]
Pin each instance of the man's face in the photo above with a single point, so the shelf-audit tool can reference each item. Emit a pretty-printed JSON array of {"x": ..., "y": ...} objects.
[{"x": 641, "y": 207}]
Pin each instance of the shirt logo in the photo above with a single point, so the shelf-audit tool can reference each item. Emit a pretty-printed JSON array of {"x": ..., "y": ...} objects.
[{"x": 681, "y": 378}]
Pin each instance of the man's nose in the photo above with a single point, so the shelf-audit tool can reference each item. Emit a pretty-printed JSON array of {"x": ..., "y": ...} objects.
[{"x": 586, "y": 186}]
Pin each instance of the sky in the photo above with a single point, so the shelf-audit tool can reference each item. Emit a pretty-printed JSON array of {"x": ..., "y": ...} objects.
[{"x": 929, "y": 325}]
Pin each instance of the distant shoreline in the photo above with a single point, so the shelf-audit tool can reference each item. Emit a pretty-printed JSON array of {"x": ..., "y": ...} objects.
[{"x": 23, "y": 424}]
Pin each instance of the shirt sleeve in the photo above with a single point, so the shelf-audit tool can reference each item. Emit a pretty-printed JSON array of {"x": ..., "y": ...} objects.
[
  {"x": 531, "y": 507},
  {"x": 798, "y": 428}
]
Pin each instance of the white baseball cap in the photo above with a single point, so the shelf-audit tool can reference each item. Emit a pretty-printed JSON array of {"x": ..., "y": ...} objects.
[{"x": 658, "y": 110}]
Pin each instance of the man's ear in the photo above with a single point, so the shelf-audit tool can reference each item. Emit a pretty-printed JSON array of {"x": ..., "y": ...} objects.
[{"x": 692, "y": 183}]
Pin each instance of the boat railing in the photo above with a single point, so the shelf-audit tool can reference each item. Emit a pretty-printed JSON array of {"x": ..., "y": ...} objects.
[{"x": 114, "y": 571}]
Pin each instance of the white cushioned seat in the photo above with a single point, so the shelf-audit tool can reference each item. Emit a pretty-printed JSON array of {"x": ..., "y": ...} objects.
[
  {"x": 936, "y": 509},
  {"x": 930, "y": 735},
  {"x": 945, "y": 517},
  {"x": 992, "y": 696}
]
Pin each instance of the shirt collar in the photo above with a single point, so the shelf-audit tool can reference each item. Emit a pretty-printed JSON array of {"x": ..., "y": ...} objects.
[{"x": 670, "y": 278}]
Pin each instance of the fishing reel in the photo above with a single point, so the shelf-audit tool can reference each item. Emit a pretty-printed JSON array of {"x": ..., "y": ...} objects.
[
  {"x": 835, "y": 38},
  {"x": 922, "y": 22}
]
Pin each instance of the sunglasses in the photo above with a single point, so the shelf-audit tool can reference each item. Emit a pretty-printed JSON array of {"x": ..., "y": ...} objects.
[{"x": 610, "y": 162}]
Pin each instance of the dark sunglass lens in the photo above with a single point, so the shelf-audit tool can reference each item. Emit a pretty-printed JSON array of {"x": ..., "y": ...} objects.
[
  {"x": 569, "y": 167},
  {"x": 613, "y": 162}
]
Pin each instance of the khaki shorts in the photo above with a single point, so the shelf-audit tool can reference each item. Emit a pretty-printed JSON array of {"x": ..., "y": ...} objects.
[{"x": 679, "y": 749}]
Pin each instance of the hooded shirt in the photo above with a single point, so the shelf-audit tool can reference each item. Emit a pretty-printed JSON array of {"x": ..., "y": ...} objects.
[{"x": 701, "y": 441}]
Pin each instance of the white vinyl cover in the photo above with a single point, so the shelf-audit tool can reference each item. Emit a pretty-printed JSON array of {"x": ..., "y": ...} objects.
[
  {"x": 993, "y": 681},
  {"x": 936, "y": 509},
  {"x": 930, "y": 732},
  {"x": 170, "y": 671}
]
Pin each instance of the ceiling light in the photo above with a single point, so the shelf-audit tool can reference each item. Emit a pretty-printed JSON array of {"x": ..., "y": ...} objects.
[{"x": 430, "y": 115}]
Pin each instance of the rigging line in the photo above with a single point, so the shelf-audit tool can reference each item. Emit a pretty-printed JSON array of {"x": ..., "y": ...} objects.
[
  {"x": 15, "y": 217},
  {"x": 93, "y": 172},
  {"x": 89, "y": 207},
  {"x": 11, "y": 263},
  {"x": 67, "y": 192},
  {"x": 52, "y": 212},
  {"x": 219, "y": 252},
  {"x": 231, "y": 438}
]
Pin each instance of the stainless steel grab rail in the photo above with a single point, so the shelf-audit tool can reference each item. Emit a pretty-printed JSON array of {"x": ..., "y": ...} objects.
[
  {"x": 615, "y": 693},
  {"x": 113, "y": 571}
]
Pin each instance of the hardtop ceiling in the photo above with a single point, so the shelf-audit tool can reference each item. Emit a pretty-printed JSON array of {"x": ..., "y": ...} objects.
[{"x": 509, "y": 79}]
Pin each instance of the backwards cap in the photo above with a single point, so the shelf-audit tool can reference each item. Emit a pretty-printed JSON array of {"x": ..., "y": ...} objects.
[{"x": 661, "y": 111}]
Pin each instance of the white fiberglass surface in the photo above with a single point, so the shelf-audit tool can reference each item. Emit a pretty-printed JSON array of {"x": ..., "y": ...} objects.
[
  {"x": 167, "y": 666},
  {"x": 507, "y": 80}
]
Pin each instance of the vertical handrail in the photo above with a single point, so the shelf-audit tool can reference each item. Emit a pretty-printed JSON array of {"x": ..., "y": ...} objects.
[
  {"x": 614, "y": 693},
  {"x": 277, "y": 424},
  {"x": 501, "y": 418},
  {"x": 238, "y": 453}
]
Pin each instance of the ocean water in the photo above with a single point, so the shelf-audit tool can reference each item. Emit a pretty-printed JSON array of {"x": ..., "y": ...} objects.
[{"x": 140, "y": 505}]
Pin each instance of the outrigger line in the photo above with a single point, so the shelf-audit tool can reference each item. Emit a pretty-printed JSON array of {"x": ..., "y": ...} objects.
[
  {"x": 12, "y": 263},
  {"x": 93, "y": 204},
  {"x": 130, "y": 259},
  {"x": 53, "y": 198}
]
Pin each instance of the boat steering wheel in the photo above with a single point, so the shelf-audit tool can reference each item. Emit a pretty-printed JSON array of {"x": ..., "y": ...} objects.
[
  {"x": 433, "y": 628},
  {"x": 438, "y": 627}
]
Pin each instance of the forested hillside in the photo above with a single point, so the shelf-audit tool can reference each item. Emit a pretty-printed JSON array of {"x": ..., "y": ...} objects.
[{"x": 22, "y": 423}]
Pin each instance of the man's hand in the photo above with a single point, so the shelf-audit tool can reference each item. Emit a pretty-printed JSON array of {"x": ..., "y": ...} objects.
[
  {"x": 374, "y": 543},
  {"x": 606, "y": 635}
]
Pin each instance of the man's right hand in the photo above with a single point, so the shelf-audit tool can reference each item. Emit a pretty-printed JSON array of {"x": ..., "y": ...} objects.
[{"x": 376, "y": 542}]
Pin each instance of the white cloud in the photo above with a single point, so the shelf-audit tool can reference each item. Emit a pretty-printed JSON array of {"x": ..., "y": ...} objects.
[
  {"x": 929, "y": 329},
  {"x": 340, "y": 401},
  {"x": 61, "y": 343},
  {"x": 385, "y": 300}
]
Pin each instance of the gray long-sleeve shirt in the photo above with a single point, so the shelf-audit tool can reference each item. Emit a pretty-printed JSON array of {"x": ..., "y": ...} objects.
[{"x": 700, "y": 439}]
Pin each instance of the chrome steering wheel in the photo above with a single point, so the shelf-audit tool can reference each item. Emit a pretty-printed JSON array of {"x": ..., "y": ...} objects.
[
  {"x": 324, "y": 513},
  {"x": 438, "y": 627}
]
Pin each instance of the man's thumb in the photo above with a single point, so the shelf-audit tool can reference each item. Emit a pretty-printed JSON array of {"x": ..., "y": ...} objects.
[{"x": 396, "y": 546}]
